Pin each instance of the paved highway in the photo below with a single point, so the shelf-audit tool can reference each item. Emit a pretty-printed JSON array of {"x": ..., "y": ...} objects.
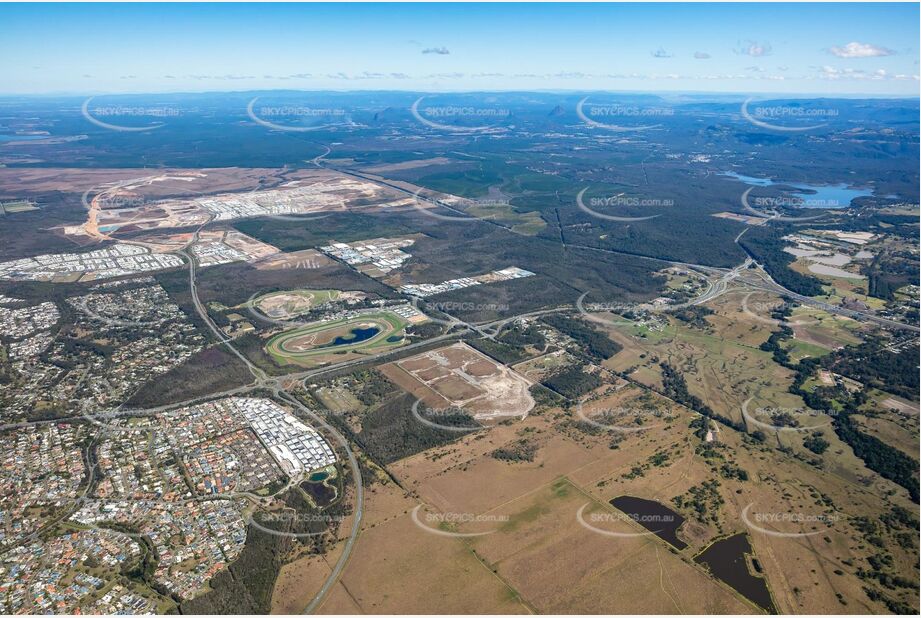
[
  {"x": 274, "y": 385},
  {"x": 769, "y": 285}
]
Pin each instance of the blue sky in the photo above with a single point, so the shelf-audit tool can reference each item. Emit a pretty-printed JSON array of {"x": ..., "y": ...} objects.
[{"x": 830, "y": 49}]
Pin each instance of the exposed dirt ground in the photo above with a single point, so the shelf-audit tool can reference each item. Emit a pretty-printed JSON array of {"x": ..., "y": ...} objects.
[{"x": 458, "y": 375}]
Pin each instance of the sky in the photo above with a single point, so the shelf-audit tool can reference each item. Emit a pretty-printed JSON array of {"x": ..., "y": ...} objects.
[{"x": 819, "y": 49}]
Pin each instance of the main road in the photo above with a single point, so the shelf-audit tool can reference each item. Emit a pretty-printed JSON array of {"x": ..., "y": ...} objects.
[
  {"x": 768, "y": 284},
  {"x": 274, "y": 385}
]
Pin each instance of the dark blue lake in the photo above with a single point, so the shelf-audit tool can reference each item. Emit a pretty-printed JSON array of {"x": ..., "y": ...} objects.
[
  {"x": 356, "y": 336},
  {"x": 726, "y": 560},
  {"x": 654, "y": 516},
  {"x": 813, "y": 196}
]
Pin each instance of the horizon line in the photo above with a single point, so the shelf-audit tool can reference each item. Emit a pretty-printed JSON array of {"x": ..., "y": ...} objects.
[{"x": 561, "y": 91}]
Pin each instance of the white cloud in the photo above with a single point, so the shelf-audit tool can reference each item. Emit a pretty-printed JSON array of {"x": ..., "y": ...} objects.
[
  {"x": 860, "y": 50},
  {"x": 444, "y": 76},
  {"x": 221, "y": 77},
  {"x": 829, "y": 72},
  {"x": 754, "y": 49},
  {"x": 441, "y": 51},
  {"x": 701, "y": 55},
  {"x": 364, "y": 75}
]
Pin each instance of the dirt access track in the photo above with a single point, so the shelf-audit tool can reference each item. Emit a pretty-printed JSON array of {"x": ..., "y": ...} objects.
[{"x": 459, "y": 376}]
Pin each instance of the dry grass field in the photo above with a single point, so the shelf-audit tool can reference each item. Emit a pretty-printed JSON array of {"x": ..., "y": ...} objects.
[
  {"x": 537, "y": 556},
  {"x": 812, "y": 520},
  {"x": 723, "y": 364},
  {"x": 533, "y": 506}
]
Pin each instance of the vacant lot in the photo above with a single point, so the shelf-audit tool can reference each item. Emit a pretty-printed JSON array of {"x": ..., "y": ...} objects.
[
  {"x": 291, "y": 303},
  {"x": 459, "y": 376},
  {"x": 437, "y": 575}
]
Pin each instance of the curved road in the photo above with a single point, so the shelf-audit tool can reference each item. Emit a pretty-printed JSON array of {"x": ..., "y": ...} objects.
[{"x": 274, "y": 384}]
